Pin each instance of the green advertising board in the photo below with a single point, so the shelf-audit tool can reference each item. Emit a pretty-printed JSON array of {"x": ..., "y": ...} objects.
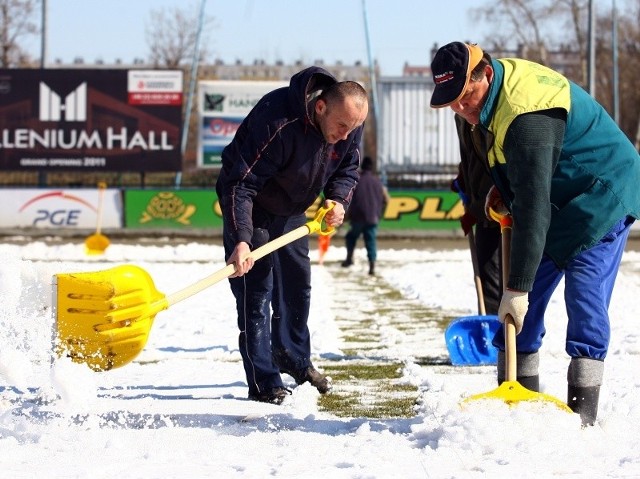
[
  {"x": 188, "y": 209},
  {"x": 180, "y": 209},
  {"x": 413, "y": 210}
]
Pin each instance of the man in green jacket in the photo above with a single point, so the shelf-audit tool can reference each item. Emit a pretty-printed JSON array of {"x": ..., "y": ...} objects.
[{"x": 569, "y": 177}]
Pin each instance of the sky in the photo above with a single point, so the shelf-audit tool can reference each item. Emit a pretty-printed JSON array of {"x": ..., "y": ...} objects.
[
  {"x": 333, "y": 30},
  {"x": 180, "y": 408}
]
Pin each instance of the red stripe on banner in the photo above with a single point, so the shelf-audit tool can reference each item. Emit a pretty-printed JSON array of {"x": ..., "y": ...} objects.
[{"x": 155, "y": 98}]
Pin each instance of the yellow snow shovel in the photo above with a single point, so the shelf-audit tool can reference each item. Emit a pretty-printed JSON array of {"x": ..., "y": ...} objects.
[
  {"x": 104, "y": 318},
  {"x": 96, "y": 243},
  {"x": 511, "y": 391}
]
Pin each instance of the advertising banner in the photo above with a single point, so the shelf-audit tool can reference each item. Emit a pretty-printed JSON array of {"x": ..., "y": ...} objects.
[
  {"x": 63, "y": 209},
  {"x": 99, "y": 119},
  {"x": 407, "y": 210},
  {"x": 180, "y": 209},
  {"x": 414, "y": 210},
  {"x": 222, "y": 105}
]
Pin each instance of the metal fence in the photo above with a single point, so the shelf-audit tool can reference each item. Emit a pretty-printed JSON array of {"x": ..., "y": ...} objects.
[{"x": 415, "y": 142}]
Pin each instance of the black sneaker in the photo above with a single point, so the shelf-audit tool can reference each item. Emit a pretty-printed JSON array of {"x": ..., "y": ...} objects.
[
  {"x": 315, "y": 377},
  {"x": 273, "y": 396}
]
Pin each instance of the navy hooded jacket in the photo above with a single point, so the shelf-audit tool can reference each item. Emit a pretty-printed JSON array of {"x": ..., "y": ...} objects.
[{"x": 280, "y": 161}]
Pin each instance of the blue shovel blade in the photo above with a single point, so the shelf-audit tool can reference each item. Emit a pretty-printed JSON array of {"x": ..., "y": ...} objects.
[{"x": 469, "y": 340}]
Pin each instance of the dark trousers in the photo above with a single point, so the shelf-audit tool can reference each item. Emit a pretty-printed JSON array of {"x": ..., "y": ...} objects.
[
  {"x": 368, "y": 232},
  {"x": 488, "y": 243},
  {"x": 273, "y": 302}
]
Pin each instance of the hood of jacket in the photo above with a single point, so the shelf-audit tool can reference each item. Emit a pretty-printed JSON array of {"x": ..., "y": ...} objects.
[{"x": 306, "y": 84}]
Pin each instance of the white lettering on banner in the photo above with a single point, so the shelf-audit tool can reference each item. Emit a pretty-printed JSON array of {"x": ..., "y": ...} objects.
[
  {"x": 246, "y": 103},
  {"x": 113, "y": 138},
  {"x": 23, "y": 138},
  {"x": 137, "y": 140},
  {"x": 33, "y": 162},
  {"x": 89, "y": 141},
  {"x": 88, "y": 161},
  {"x": 94, "y": 161},
  {"x": 65, "y": 162}
]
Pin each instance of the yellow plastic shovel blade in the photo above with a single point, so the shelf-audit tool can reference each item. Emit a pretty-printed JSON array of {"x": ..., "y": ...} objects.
[
  {"x": 104, "y": 317},
  {"x": 512, "y": 392}
]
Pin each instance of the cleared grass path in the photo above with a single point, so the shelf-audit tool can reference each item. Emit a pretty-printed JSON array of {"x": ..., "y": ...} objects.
[{"x": 382, "y": 331}]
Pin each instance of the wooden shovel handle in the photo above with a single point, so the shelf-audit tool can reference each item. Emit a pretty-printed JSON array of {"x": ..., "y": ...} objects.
[
  {"x": 313, "y": 226},
  {"x": 510, "y": 360},
  {"x": 476, "y": 273}
]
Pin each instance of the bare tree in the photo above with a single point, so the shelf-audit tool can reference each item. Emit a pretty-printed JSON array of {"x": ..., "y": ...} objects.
[
  {"x": 172, "y": 34},
  {"x": 628, "y": 51},
  {"x": 534, "y": 28},
  {"x": 16, "y": 23},
  {"x": 521, "y": 25},
  {"x": 629, "y": 69}
]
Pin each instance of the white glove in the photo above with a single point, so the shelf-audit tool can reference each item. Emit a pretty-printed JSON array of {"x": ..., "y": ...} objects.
[{"x": 515, "y": 303}]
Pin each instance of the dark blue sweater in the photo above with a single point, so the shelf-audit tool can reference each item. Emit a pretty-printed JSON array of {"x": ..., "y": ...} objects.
[{"x": 279, "y": 160}]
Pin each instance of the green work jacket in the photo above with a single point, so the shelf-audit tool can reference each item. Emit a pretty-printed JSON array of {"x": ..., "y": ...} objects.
[{"x": 564, "y": 193}]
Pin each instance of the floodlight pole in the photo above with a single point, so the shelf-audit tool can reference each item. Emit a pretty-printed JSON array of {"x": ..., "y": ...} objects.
[
  {"x": 372, "y": 81},
  {"x": 192, "y": 84},
  {"x": 372, "y": 74},
  {"x": 43, "y": 36},
  {"x": 42, "y": 175}
]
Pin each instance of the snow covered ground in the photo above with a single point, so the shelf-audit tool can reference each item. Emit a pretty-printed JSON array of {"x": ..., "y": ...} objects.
[{"x": 180, "y": 409}]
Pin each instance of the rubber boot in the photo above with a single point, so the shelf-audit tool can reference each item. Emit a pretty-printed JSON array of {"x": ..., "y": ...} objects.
[
  {"x": 526, "y": 372},
  {"x": 584, "y": 401},
  {"x": 372, "y": 267},
  {"x": 349, "y": 261},
  {"x": 532, "y": 383},
  {"x": 584, "y": 379}
]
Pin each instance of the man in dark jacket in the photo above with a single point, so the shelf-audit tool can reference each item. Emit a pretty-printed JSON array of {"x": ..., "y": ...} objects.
[
  {"x": 365, "y": 211},
  {"x": 472, "y": 184},
  {"x": 298, "y": 142},
  {"x": 569, "y": 176}
]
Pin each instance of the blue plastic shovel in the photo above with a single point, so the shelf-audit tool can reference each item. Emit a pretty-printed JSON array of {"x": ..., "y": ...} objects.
[{"x": 469, "y": 338}]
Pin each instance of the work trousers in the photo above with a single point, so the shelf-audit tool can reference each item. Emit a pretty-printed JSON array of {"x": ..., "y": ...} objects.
[
  {"x": 368, "y": 232},
  {"x": 488, "y": 251},
  {"x": 273, "y": 301},
  {"x": 589, "y": 281}
]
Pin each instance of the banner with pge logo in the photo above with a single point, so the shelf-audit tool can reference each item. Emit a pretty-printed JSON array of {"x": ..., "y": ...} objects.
[{"x": 60, "y": 208}]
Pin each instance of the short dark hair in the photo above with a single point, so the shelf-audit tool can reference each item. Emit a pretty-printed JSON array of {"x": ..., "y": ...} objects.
[
  {"x": 344, "y": 89},
  {"x": 367, "y": 164}
]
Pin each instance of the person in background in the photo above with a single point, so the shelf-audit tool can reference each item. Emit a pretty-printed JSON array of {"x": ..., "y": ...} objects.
[
  {"x": 472, "y": 185},
  {"x": 367, "y": 207},
  {"x": 569, "y": 177},
  {"x": 296, "y": 143}
]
